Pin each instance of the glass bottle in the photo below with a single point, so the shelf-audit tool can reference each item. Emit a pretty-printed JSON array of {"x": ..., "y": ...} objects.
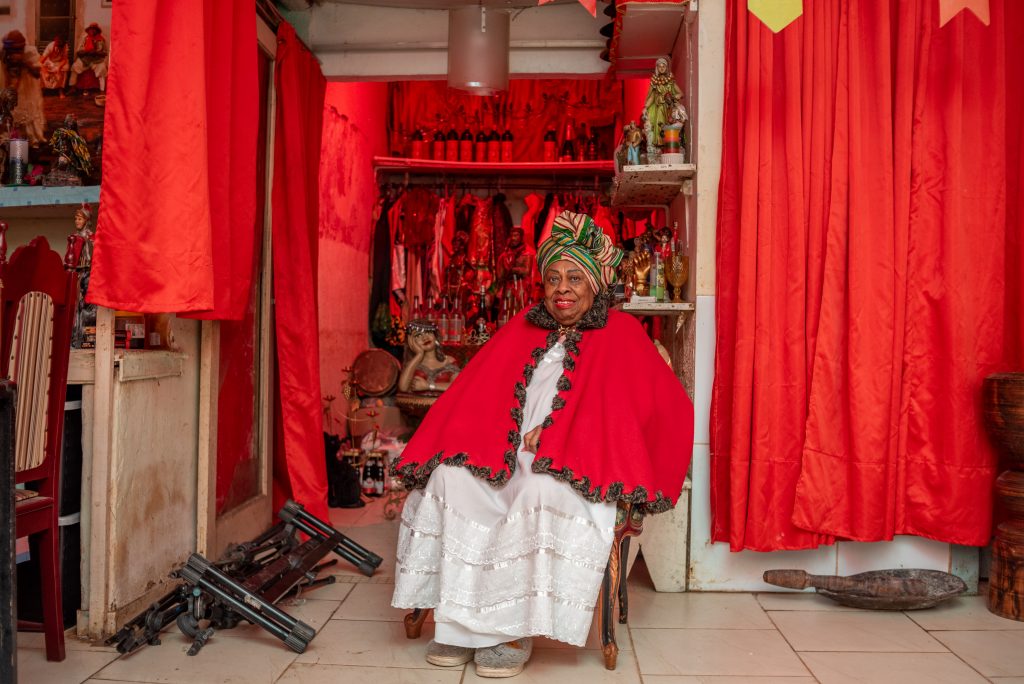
[
  {"x": 419, "y": 145},
  {"x": 466, "y": 146},
  {"x": 481, "y": 145},
  {"x": 550, "y": 145},
  {"x": 451, "y": 145},
  {"x": 568, "y": 151},
  {"x": 506, "y": 146},
  {"x": 494, "y": 146},
  {"x": 438, "y": 146}
]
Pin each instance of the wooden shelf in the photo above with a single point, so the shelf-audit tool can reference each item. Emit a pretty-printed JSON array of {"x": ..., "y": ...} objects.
[
  {"x": 657, "y": 308},
  {"x": 645, "y": 31},
  {"x": 653, "y": 185},
  {"x": 385, "y": 165},
  {"x": 23, "y": 196}
]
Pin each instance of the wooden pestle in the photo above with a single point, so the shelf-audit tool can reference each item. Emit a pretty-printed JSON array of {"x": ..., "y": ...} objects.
[{"x": 798, "y": 579}]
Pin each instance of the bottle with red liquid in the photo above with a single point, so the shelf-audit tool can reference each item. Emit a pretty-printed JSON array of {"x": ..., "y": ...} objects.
[
  {"x": 419, "y": 145},
  {"x": 494, "y": 146},
  {"x": 550, "y": 146},
  {"x": 451, "y": 145},
  {"x": 438, "y": 145},
  {"x": 568, "y": 151},
  {"x": 466, "y": 146},
  {"x": 506, "y": 146}
]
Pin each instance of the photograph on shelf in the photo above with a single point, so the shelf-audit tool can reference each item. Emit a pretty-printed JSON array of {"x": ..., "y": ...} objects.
[{"x": 53, "y": 74}]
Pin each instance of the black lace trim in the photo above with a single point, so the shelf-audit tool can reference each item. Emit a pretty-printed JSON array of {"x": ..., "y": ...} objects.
[{"x": 415, "y": 476}]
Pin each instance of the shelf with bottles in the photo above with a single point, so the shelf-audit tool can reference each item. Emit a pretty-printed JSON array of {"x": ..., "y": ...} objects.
[
  {"x": 651, "y": 184},
  {"x": 603, "y": 168}
]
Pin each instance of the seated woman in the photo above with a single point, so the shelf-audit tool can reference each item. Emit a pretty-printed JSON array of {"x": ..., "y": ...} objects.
[
  {"x": 566, "y": 411},
  {"x": 425, "y": 367}
]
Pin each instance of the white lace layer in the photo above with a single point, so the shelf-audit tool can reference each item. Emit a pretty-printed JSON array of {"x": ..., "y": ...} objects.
[{"x": 497, "y": 564}]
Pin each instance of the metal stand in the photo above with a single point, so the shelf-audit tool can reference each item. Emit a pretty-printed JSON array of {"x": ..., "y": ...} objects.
[
  {"x": 8, "y": 536},
  {"x": 246, "y": 584}
]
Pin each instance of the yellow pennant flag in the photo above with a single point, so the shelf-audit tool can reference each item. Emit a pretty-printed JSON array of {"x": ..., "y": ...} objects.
[
  {"x": 776, "y": 14},
  {"x": 950, "y": 8}
]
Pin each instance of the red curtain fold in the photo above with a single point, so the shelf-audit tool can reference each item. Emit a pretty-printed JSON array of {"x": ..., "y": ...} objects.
[
  {"x": 176, "y": 229},
  {"x": 300, "y": 89},
  {"x": 868, "y": 230}
]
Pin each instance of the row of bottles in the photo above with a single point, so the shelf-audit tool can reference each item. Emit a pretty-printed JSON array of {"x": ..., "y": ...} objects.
[
  {"x": 576, "y": 144},
  {"x": 484, "y": 147},
  {"x": 454, "y": 322}
]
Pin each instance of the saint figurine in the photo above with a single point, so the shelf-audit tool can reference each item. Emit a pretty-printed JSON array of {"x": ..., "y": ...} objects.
[
  {"x": 515, "y": 262},
  {"x": 634, "y": 139},
  {"x": 661, "y": 99}
]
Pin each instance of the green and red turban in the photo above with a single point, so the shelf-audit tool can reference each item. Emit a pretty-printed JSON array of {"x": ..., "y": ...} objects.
[{"x": 577, "y": 238}]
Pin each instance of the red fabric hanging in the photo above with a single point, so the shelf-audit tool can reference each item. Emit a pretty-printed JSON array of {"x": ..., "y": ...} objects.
[
  {"x": 864, "y": 283},
  {"x": 295, "y": 199},
  {"x": 176, "y": 229}
]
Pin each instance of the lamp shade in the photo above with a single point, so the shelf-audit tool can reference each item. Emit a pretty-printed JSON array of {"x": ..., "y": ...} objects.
[{"x": 478, "y": 49}]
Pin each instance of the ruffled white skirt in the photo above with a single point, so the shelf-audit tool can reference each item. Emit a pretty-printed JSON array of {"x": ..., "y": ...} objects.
[{"x": 497, "y": 564}]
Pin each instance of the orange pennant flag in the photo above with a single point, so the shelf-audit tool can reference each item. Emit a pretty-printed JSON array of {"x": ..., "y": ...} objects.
[
  {"x": 776, "y": 14},
  {"x": 591, "y": 5},
  {"x": 950, "y": 8}
]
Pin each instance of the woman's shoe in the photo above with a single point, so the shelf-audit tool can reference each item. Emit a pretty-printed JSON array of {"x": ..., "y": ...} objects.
[
  {"x": 503, "y": 660},
  {"x": 446, "y": 655}
]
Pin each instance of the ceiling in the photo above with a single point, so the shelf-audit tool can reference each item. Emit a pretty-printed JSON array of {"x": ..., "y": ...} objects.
[{"x": 436, "y": 4}]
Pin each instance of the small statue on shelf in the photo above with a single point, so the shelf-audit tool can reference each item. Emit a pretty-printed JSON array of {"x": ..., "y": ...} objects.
[
  {"x": 633, "y": 138},
  {"x": 650, "y": 153},
  {"x": 515, "y": 262},
  {"x": 71, "y": 155},
  {"x": 426, "y": 368},
  {"x": 641, "y": 271},
  {"x": 661, "y": 99},
  {"x": 84, "y": 332}
]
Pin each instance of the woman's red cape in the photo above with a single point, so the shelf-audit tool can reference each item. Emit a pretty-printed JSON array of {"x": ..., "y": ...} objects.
[{"x": 621, "y": 428}]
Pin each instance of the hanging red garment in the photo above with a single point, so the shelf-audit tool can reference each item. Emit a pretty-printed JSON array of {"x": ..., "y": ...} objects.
[
  {"x": 863, "y": 286},
  {"x": 177, "y": 217},
  {"x": 300, "y": 89}
]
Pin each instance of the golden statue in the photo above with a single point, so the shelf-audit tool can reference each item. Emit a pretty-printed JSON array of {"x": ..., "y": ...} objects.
[{"x": 641, "y": 272}]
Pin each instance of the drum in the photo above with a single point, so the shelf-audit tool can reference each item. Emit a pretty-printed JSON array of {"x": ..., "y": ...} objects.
[{"x": 375, "y": 373}]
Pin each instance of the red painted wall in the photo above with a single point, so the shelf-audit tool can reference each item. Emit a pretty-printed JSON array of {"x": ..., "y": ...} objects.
[{"x": 355, "y": 117}]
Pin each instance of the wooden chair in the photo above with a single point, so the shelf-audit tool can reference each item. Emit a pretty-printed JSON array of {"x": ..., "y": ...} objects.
[
  {"x": 629, "y": 522},
  {"x": 37, "y": 310}
]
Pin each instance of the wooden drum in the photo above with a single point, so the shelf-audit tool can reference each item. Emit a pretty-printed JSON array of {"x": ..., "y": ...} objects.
[{"x": 1003, "y": 407}]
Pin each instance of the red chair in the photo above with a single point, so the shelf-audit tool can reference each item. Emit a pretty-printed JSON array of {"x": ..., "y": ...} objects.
[{"x": 37, "y": 310}]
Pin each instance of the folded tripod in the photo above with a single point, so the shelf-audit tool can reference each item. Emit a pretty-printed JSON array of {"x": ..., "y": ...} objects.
[{"x": 246, "y": 583}]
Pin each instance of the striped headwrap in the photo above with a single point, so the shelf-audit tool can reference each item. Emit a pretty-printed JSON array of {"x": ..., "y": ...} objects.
[{"x": 577, "y": 238}]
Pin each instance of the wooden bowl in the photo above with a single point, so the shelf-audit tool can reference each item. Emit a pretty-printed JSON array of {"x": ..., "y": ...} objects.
[{"x": 1003, "y": 408}]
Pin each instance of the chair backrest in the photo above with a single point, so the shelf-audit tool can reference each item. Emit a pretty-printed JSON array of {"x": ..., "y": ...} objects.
[{"x": 37, "y": 310}]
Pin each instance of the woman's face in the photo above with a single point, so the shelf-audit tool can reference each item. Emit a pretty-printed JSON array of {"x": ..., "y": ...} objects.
[
  {"x": 79, "y": 220},
  {"x": 567, "y": 292},
  {"x": 426, "y": 341}
]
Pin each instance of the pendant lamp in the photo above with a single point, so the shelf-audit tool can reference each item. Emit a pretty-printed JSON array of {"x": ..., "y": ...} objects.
[{"x": 478, "y": 49}]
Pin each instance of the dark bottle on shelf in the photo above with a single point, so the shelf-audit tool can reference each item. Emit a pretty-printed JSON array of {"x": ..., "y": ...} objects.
[
  {"x": 419, "y": 145},
  {"x": 494, "y": 146},
  {"x": 568, "y": 152},
  {"x": 451, "y": 145},
  {"x": 506, "y": 146},
  {"x": 594, "y": 147},
  {"x": 466, "y": 146},
  {"x": 550, "y": 146},
  {"x": 481, "y": 145},
  {"x": 438, "y": 146}
]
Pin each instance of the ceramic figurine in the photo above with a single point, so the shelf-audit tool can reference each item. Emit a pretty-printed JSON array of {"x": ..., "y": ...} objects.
[
  {"x": 661, "y": 98},
  {"x": 426, "y": 367}
]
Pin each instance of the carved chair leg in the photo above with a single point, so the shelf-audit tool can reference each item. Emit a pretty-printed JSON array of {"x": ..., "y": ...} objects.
[
  {"x": 414, "y": 622},
  {"x": 623, "y": 591},
  {"x": 606, "y": 602}
]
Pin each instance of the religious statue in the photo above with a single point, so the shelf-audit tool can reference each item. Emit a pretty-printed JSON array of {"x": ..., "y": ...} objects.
[
  {"x": 633, "y": 137},
  {"x": 85, "y": 313},
  {"x": 650, "y": 153},
  {"x": 71, "y": 155},
  {"x": 426, "y": 368},
  {"x": 20, "y": 70},
  {"x": 661, "y": 99},
  {"x": 91, "y": 55},
  {"x": 516, "y": 262}
]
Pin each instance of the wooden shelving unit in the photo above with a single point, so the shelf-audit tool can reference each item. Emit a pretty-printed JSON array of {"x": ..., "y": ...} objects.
[
  {"x": 653, "y": 185},
  {"x": 657, "y": 308},
  {"x": 17, "y": 196},
  {"x": 392, "y": 165}
]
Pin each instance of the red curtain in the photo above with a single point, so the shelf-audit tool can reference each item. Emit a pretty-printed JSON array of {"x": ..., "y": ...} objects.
[
  {"x": 868, "y": 235},
  {"x": 300, "y": 89},
  {"x": 176, "y": 229}
]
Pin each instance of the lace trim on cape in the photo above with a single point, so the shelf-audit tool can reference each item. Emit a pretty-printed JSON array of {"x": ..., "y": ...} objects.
[{"x": 414, "y": 475}]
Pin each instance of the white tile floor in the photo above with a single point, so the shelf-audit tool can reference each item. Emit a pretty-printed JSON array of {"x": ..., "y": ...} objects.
[{"x": 695, "y": 638}]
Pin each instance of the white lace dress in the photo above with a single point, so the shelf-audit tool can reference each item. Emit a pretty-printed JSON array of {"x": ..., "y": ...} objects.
[{"x": 497, "y": 564}]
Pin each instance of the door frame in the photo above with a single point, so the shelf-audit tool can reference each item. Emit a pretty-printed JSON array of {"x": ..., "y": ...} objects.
[{"x": 213, "y": 532}]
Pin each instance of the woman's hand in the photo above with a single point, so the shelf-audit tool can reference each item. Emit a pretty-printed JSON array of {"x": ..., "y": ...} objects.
[
  {"x": 532, "y": 440},
  {"x": 415, "y": 346}
]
